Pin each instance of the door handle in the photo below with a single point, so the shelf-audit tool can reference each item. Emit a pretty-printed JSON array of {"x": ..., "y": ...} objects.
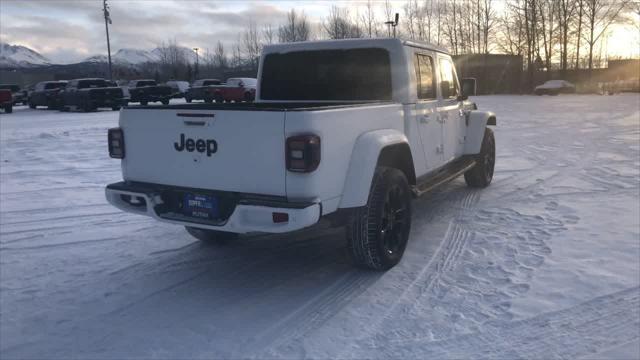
[{"x": 424, "y": 119}]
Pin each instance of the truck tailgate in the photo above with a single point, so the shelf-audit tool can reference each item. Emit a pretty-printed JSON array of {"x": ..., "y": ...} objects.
[{"x": 225, "y": 150}]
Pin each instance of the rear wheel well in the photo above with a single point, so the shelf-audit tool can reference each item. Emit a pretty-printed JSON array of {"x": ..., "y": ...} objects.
[{"x": 399, "y": 156}]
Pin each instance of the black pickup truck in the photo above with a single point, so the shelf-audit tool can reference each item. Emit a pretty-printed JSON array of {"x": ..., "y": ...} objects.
[
  {"x": 90, "y": 94},
  {"x": 46, "y": 93},
  {"x": 198, "y": 90},
  {"x": 146, "y": 91}
]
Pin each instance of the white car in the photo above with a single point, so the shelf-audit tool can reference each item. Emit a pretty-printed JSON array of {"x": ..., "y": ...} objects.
[
  {"x": 344, "y": 131},
  {"x": 555, "y": 87}
]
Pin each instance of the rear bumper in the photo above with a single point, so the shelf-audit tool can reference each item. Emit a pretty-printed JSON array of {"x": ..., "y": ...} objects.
[{"x": 247, "y": 215}]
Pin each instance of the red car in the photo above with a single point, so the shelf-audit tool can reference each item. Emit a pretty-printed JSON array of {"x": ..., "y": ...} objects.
[
  {"x": 6, "y": 100},
  {"x": 235, "y": 89}
]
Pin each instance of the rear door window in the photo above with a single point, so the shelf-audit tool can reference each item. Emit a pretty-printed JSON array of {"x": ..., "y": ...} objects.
[
  {"x": 448, "y": 73},
  {"x": 425, "y": 77}
]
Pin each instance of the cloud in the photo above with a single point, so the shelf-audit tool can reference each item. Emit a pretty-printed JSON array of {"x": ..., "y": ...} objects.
[{"x": 52, "y": 26}]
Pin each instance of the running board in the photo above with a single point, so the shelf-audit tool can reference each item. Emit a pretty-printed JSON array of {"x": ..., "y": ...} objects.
[{"x": 449, "y": 172}]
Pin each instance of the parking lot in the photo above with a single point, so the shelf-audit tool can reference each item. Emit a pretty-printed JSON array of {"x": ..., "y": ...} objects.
[{"x": 541, "y": 264}]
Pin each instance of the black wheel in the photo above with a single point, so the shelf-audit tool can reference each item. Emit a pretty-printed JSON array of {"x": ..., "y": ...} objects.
[
  {"x": 144, "y": 103},
  {"x": 248, "y": 97},
  {"x": 188, "y": 99},
  {"x": 211, "y": 236},
  {"x": 378, "y": 232},
  {"x": 481, "y": 175},
  {"x": 115, "y": 108},
  {"x": 219, "y": 98},
  {"x": 32, "y": 105},
  {"x": 8, "y": 109},
  {"x": 208, "y": 100},
  {"x": 165, "y": 102}
]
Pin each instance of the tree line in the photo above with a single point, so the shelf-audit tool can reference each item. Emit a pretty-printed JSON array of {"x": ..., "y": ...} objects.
[{"x": 548, "y": 34}]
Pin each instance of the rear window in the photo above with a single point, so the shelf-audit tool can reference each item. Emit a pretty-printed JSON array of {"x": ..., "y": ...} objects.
[
  {"x": 58, "y": 85},
  {"x": 84, "y": 84},
  {"x": 146, "y": 83},
  {"x": 352, "y": 74},
  {"x": 211, "y": 82}
]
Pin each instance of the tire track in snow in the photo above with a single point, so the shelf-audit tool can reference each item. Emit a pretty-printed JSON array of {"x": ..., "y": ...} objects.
[
  {"x": 312, "y": 314},
  {"x": 605, "y": 321}
]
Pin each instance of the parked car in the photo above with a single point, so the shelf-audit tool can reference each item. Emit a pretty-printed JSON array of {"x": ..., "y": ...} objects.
[
  {"x": 198, "y": 89},
  {"x": 178, "y": 88},
  {"x": 235, "y": 89},
  {"x": 16, "y": 93},
  {"x": 146, "y": 91},
  {"x": 47, "y": 93},
  {"x": 555, "y": 87},
  {"x": 6, "y": 100},
  {"x": 90, "y": 94},
  {"x": 365, "y": 125}
]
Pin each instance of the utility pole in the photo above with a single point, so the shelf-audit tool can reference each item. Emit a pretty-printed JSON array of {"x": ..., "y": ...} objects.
[
  {"x": 195, "y": 75},
  {"x": 107, "y": 21}
]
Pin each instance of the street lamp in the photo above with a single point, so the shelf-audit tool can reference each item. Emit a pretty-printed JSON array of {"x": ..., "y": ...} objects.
[
  {"x": 107, "y": 21},
  {"x": 197, "y": 62}
]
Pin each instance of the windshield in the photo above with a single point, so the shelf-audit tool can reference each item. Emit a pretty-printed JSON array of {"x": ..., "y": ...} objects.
[
  {"x": 98, "y": 83},
  {"x": 354, "y": 74},
  {"x": 55, "y": 85}
]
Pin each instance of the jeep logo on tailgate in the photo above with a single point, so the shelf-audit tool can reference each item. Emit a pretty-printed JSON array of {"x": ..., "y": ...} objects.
[{"x": 209, "y": 146}]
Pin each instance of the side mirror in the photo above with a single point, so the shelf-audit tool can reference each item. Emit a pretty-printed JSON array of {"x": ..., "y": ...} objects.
[
  {"x": 445, "y": 88},
  {"x": 468, "y": 87},
  {"x": 240, "y": 84}
]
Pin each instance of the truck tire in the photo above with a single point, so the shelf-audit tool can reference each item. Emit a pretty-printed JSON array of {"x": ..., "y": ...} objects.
[
  {"x": 165, "y": 102},
  {"x": 211, "y": 236},
  {"x": 144, "y": 103},
  {"x": 187, "y": 99},
  {"x": 115, "y": 108},
  {"x": 219, "y": 98},
  {"x": 32, "y": 105},
  {"x": 481, "y": 175},
  {"x": 208, "y": 100},
  {"x": 377, "y": 233},
  {"x": 8, "y": 109}
]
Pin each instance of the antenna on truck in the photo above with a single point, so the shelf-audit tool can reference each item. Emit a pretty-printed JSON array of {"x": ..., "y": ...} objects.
[{"x": 392, "y": 24}]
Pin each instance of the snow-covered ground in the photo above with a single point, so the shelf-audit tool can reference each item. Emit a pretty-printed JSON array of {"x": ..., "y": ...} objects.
[{"x": 545, "y": 263}]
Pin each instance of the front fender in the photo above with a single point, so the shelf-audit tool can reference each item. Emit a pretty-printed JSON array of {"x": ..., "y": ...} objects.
[
  {"x": 362, "y": 165},
  {"x": 477, "y": 121}
]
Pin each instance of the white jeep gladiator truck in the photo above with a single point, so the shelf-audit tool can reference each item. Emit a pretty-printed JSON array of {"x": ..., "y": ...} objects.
[{"x": 343, "y": 130}]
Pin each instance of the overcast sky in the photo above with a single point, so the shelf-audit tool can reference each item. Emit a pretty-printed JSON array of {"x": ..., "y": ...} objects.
[{"x": 71, "y": 30}]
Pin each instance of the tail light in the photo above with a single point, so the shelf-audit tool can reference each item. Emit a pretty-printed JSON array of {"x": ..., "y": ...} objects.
[
  {"x": 116, "y": 143},
  {"x": 303, "y": 153}
]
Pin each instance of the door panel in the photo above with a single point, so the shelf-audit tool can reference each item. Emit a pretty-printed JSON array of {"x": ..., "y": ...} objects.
[
  {"x": 450, "y": 110},
  {"x": 427, "y": 118}
]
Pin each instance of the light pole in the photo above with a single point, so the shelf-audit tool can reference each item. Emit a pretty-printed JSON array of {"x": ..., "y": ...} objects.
[
  {"x": 107, "y": 21},
  {"x": 195, "y": 73}
]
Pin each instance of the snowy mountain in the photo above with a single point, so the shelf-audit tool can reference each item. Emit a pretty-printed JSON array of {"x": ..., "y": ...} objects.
[
  {"x": 137, "y": 56},
  {"x": 18, "y": 56}
]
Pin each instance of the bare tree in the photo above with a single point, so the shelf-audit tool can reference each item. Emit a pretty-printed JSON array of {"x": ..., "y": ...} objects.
[
  {"x": 368, "y": 20},
  {"x": 251, "y": 45},
  {"x": 220, "y": 60},
  {"x": 172, "y": 59},
  {"x": 600, "y": 14},
  {"x": 338, "y": 25},
  {"x": 269, "y": 34},
  {"x": 296, "y": 28}
]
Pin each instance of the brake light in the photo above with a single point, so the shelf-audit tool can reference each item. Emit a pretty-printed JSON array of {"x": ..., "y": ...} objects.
[
  {"x": 116, "y": 143},
  {"x": 303, "y": 153}
]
